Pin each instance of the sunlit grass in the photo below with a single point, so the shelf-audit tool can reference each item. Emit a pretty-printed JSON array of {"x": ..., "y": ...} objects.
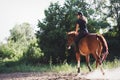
[
  {"x": 64, "y": 67},
  {"x": 111, "y": 64}
]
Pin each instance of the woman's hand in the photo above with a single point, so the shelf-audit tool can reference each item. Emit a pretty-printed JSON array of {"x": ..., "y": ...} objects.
[{"x": 76, "y": 33}]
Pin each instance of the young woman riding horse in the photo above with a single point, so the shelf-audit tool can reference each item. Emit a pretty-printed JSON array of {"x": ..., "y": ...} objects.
[
  {"x": 86, "y": 43},
  {"x": 81, "y": 28}
]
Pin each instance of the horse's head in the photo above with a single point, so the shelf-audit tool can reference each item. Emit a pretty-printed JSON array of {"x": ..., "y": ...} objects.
[{"x": 70, "y": 38}]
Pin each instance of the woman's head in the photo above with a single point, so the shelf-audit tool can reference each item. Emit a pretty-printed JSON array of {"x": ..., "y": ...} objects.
[{"x": 79, "y": 15}]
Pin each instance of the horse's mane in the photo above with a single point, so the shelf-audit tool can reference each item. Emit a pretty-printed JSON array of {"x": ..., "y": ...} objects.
[{"x": 71, "y": 33}]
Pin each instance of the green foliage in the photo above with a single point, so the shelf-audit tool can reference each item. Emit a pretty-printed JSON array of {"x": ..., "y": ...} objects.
[
  {"x": 114, "y": 13},
  {"x": 21, "y": 36},
  {"x": 22, "y": 32},
  {"x": 51, "y": 37},
  {"x": 59, "y": 20},
  {"x": 111, "y": 34},
  {"x": 114, "y": 48},
  {"x": 33, "y": 54},
  {"x": 9, "y": 67},
  {"x": 6, "y": 51},
  {"x": 111, "y": 64}
]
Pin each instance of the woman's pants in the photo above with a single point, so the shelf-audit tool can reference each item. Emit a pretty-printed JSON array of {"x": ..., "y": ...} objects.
[{"x": 77, "y": 39}]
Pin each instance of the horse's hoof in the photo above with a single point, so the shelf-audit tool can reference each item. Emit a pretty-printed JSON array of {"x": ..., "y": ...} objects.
[
  {"x": 103, "y": 73},
  {"x": 90, "y": 70},
  {"x": 78, "y": 70}
]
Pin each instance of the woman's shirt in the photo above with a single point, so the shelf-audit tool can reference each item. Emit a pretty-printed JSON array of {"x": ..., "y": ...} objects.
[{"x": 82, "y": 25}]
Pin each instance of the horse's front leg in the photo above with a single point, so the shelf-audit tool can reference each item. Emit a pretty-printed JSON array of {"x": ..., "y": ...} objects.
[{"x": 78, "y": 61}]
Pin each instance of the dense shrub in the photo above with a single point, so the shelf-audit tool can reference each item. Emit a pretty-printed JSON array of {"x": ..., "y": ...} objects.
[
  {"x": 6, "y": 51},
  {"x": 32, "y": 55}
]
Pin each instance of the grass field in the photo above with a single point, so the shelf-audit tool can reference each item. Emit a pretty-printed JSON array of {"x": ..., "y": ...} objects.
[{"x": 10, "y": 67}]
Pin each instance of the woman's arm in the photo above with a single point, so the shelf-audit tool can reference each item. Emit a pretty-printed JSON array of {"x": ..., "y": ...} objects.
[{"x": 77, "y": 28}]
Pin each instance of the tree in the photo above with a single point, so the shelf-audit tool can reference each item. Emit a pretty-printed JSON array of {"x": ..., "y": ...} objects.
[
  {"x": 115, "y": 12},
  {"x": 58, "y": 21},
  {"x": 22, "y": 32},
  {"x": 51, "y": 36},
  {"x": 33, "y": 54},
  {"x": 6, "y": 51},
  {"x": 21, "y": 36}
]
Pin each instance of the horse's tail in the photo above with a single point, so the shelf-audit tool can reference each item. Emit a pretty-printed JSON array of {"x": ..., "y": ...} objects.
[{"x": 105, "y": 46}]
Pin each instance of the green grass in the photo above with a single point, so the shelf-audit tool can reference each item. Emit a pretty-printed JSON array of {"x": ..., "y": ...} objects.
[
  {"x": 111, "y": 64},
  {"x": 8, "y": 67}
]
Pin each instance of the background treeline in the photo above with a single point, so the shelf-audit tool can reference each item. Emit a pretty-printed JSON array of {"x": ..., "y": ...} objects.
[{"x": 48, "y": 44}]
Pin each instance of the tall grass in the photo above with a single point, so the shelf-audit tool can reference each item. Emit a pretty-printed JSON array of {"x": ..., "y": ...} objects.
[
  {"x": 9, "y": 67},
  {"x": 111, "y": 64}
]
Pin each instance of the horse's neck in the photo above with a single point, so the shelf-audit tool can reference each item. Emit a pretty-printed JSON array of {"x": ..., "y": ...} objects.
[{"x": 74, "y": 36}]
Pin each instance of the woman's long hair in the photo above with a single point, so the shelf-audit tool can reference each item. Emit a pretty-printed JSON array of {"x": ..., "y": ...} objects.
[{"x": 84, "y": 18}]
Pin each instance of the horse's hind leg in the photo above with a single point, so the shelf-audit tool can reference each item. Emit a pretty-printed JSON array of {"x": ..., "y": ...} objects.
[
  {"x": 96, "y": 58},
  {"x": 98, "y": 62},
  {"x": 87, "y": 61},
  {"x": 78, "y": 61}
]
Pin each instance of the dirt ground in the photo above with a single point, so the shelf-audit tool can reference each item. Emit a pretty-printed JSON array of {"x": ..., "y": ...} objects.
[{"x": 113, "y": 74}]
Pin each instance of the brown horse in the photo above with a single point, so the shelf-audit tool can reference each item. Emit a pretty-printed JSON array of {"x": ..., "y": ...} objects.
[{"x": 91, "y": 44}]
